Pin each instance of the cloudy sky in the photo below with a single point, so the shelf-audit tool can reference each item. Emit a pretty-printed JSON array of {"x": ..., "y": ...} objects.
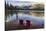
[
  {"x": 13, "y": 2},
  {"x": 21, "y": 2}
]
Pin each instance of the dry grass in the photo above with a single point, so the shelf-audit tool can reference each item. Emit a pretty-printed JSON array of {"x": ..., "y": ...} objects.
[{"x": 19, "y": 27}]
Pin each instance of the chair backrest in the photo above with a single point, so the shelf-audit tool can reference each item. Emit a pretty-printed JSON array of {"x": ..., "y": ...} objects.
[
  {"x": 27, "y": 23},
  {"x": 21, "y": 22}
]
